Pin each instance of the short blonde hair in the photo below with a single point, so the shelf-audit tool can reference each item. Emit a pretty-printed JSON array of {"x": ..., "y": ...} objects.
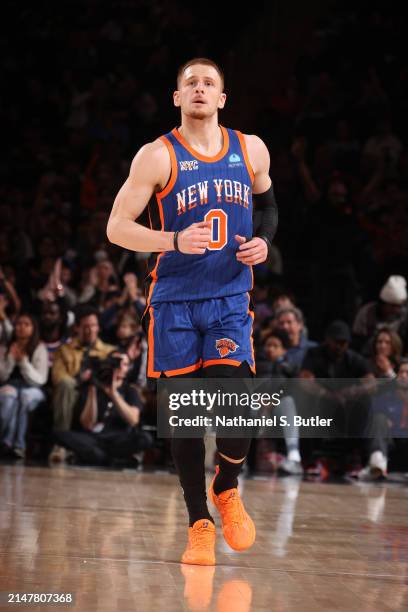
[{"x": 200, "y": 60}]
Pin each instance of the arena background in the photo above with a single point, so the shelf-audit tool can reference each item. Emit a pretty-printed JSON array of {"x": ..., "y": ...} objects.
[{"x": 86, "y": 83}]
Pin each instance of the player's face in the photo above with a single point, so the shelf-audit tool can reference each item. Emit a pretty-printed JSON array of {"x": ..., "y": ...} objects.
[{"x": 200, "y": 92}]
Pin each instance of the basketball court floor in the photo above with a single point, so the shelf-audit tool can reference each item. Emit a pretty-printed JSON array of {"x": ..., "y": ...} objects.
[{"x": 113, "y": 539}]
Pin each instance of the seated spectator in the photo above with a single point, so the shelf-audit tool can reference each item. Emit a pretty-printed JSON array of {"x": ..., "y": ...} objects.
[
  {"x": 291, "y": 320},
  {"x": 332, "y": 360},
  {"x": 272, "y": 361},
  {"x": 102, "y": 281},
  {"x": 10, "y": 304},
  {"x": 23, "y": 372},
  {"x": 386, "y": 353},
  {"x": 126, "y": 328},
  {"x": 283, "y": 300},
  {"x": 66, "y": 290},
  {"x": 262, "y": 308},
  {"x": 388, "y": 426},
  {"x": 390, "y": 309},
  {"x": 110, "y": 420},
  {"x": 273, "y": 365},
  {"x": 6, "y": 326},
  {"x": 53, "y": 327},
  {"x": 130, "y": 301},
  {"x": 136, "y": 349},
  {"x": 72, "y": 366}
]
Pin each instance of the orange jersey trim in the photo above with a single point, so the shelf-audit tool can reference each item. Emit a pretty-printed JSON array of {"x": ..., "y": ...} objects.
[
  {"x": 151, "y": 372},
  {"x": 186, "y": 370},
  {"x": 159, "y": 197},
  {"x": 221, "y": 361},
  {"x": 242, "y": 142},
  {"x": 173, "y": 174},
  {"x": 252, "y": 315},
  {"x": 154, "y": 281},
  {"x": 198, "y": 155}
]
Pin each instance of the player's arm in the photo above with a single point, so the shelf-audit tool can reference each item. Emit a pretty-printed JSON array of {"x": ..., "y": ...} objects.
[
  {"x": 256, "y": 250},
  {"x": 149, "y": 173}
]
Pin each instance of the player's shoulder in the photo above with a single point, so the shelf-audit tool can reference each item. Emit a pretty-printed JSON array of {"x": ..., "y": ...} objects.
[
  {"x": 151, "y": 156},
  {"x": 254, "y": 142},
  {"x": 257, "y": 152},
  {"x": 154, "y": 150}
]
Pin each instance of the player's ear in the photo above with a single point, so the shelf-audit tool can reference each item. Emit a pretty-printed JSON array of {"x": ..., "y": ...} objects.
[
  {"x": 176, "y": 98},
  {"x": 222, "y": 100}
]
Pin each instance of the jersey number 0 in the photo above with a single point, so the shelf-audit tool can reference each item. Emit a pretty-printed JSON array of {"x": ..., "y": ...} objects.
[{"x": 219, "y": 229}]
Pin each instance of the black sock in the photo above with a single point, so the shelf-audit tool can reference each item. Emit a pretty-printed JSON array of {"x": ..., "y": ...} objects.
[
  {"x": 227, "y": 477},
  {"x": 189, "y": 459}
]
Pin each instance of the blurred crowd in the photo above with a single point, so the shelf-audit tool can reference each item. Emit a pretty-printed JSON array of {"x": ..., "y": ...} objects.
[{"x": 84, "y": 91}]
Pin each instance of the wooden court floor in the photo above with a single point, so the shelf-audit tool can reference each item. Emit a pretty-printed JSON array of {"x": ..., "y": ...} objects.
[{"x": 114, "y": 538}]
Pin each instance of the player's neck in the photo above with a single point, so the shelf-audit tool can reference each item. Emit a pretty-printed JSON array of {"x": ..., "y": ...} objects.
[{"x": 204, "y": 135}]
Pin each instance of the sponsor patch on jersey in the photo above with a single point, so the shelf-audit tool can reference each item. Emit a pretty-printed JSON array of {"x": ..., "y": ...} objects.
[
  {"x": 189, "y": 165},
  {"x": 234, "y": 158},
  {"x": 234, "y": 161},
  {"x": 225, "y": 346}
]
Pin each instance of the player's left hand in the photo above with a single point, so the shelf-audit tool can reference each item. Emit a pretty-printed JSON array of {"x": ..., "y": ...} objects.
[{"x": 253, "y": 252}]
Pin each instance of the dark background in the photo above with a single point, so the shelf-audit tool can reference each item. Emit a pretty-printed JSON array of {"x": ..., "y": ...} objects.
[{"x": 87, "y": 83}]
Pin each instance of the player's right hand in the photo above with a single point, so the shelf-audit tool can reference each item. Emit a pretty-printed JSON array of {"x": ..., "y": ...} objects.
[{"x": 195, "y": 239}]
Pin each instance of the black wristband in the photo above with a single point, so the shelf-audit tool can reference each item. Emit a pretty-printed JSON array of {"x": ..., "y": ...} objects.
[
  {"x": 175, "y": 242},
  {"x": 268, "y": 244}
]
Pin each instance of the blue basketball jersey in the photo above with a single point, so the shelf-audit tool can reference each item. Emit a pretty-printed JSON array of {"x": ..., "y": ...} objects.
[{"x": 216, "y": 189}]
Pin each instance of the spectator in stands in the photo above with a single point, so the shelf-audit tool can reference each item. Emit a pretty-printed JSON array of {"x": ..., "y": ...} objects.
[
  {"x": 131, "y": 302},
  {"x": 388, "y": 426},
  {"x": 383, "y": 145},
  {"x": 291, "y": 320},
  {"x": 323, "y": 368},
  {"x": 390, "y": 309},
  {"x": 102, "y": 281},
  {"x": 136, "y": 349},
  {"x": 110, "y": 420},
  {"x": 126, "y": 328},
  {"x": 72, "y": 366},
  {"x": 283, "y": 299},
  {"x": 6, "y": 326},
  {"x": 9, "y": 299},
  {"x": 23, "y": 373},
  {"x": 386, "y": 353},
  {"x": 333, "y": 358},
  {"x": 273, "y": 365},
  {"x": 53, "y": 327}
]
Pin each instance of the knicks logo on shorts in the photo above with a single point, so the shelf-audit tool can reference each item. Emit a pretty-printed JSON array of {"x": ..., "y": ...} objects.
[{"x": 225, "y": 346}]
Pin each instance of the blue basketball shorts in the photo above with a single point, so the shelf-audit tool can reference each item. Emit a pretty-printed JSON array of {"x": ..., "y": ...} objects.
[{"x": 186, "y": 336}]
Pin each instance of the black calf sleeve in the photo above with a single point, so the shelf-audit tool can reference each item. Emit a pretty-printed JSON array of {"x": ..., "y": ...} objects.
[
  {"x": 189, "y": 459},
  {"x": 234, "y": 448}
]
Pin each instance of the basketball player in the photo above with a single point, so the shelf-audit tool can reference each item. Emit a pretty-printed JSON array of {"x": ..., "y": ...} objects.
[{"x": 198, "y": 311}]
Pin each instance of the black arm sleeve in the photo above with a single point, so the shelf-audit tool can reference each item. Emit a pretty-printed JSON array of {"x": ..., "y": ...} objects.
[{"x": 266, "y": 216}]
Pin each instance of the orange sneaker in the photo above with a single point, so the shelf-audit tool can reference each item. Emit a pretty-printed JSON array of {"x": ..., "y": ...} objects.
[
  {"x": 201, "y": 543},
  {"x": 237, "y": 526}
]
